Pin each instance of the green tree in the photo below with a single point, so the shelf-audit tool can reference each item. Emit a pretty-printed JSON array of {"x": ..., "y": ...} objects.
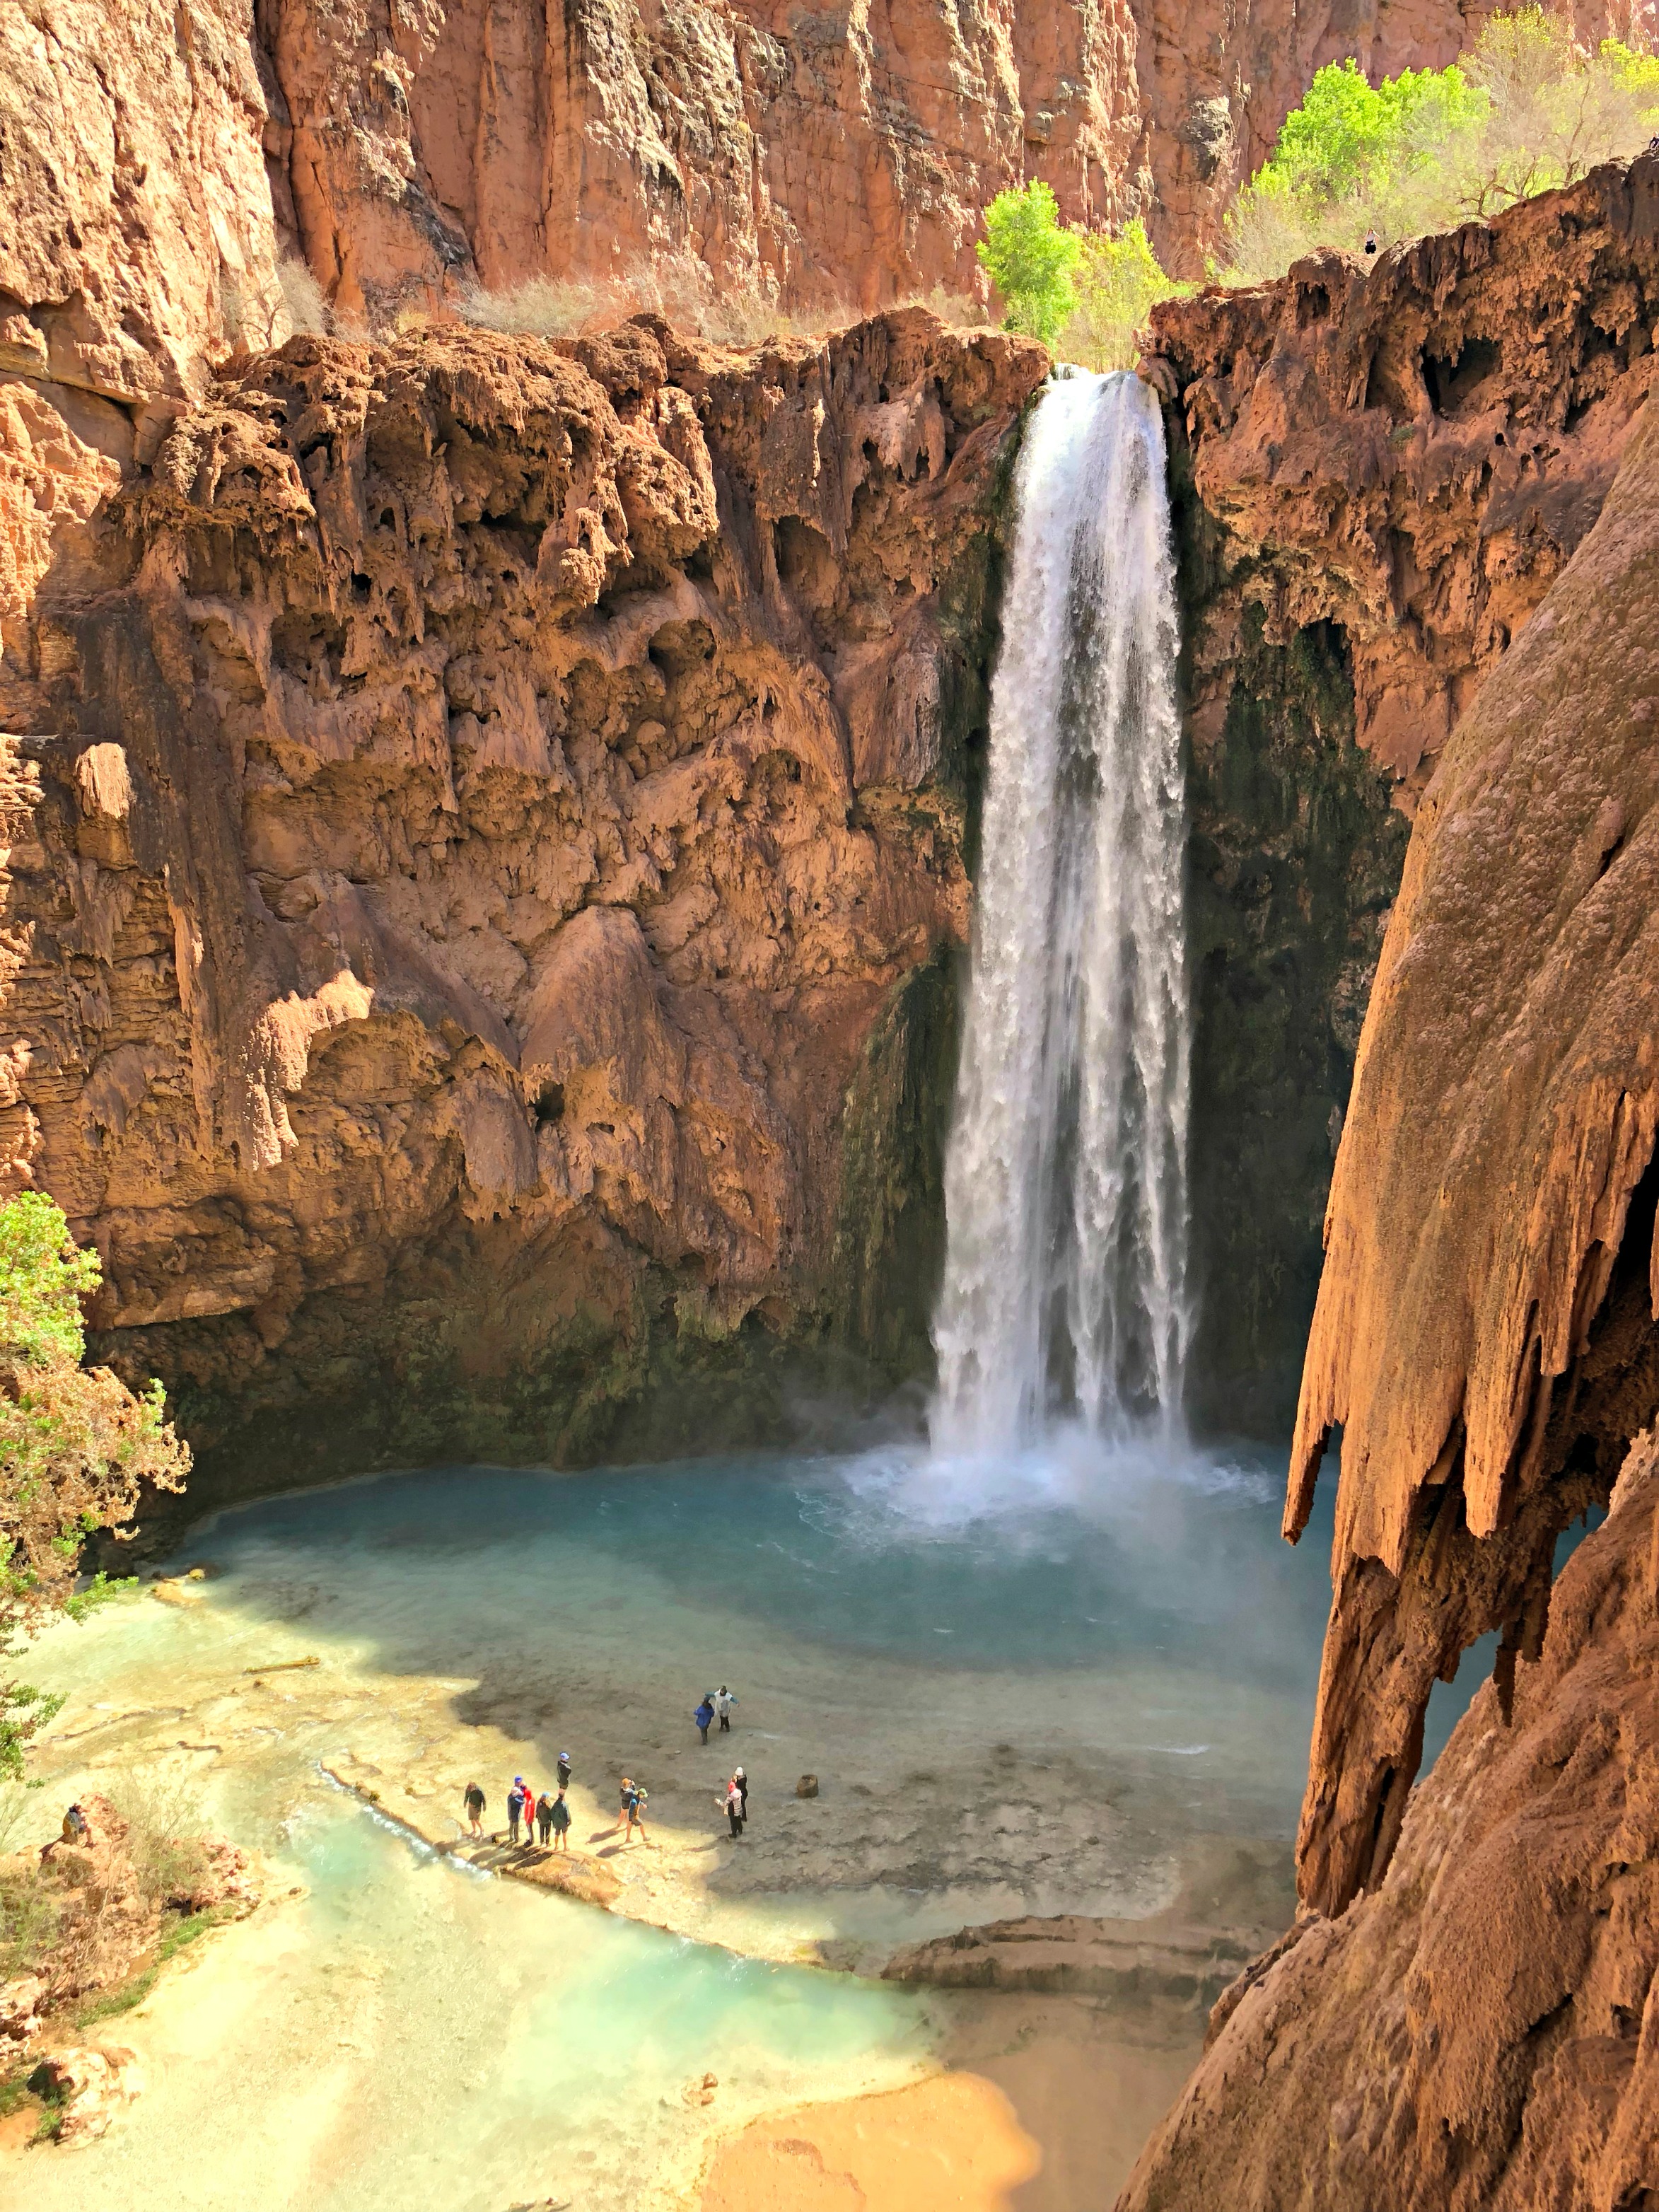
[
  {"x": 1030, "y": 255},
  {"x": 1527, "y": 110},
  {"x": 1119, "y": 281},
  {"x": 76, "y": 1446}
]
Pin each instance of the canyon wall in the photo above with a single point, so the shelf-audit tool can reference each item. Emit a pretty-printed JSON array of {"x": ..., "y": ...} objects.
[
  {"x": 1379, "y": 473},
  {"x": 839, "y": 153},
  {"x": 1464, "y": 2014},
  {"x": 486, "y": 829}
]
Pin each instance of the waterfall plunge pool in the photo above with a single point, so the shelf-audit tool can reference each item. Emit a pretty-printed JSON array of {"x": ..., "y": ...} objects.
[{"x": 1038, "y": 1692}]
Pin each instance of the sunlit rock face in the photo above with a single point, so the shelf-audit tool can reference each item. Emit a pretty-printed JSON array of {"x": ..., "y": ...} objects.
[
  {"x": 1380, "y": 472},
  {"x": 485, "y": 810},
  {"x": 842, "y": 152}
]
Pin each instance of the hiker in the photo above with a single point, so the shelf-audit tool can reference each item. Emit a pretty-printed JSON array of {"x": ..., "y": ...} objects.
[
  {"x": 724, "y": 1702},
  {"x": 742, "y": 1781},
  {"x": 76, "y": 1829},
  {"x": 560, "y": 1818},
  {"x": 517, "y": 1798},
  {"x": 1370, "y": 242},
  {"x": 627, "y": 1801},
  {"x": 732, "y": 1800},
  {"x": 704, "y": 1714},
  {"x": 637, "y": 1813},
  {"x": 543, "y": 1816},
  {"x": 474, "y": 1801},
  {"x": 564, "y": 1769}
]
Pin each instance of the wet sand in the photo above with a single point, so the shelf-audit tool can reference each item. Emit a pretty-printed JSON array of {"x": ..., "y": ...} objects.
[{"x": 1045, "y": 2108}]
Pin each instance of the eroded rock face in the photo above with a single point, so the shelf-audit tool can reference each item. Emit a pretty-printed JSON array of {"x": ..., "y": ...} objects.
[
  {"x": 1482, "y": 2029},
  {"x": 1378, "y": 473},
  {"x": 1412, "y": 449},
  {"x": 465, "y": 848}
]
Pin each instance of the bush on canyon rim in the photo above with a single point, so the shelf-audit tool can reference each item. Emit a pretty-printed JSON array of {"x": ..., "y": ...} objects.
[
  {"x": 1082, "y": 292},
  {"x": 76, "y": 1446},
  {"x": 1528, "y": 110}
]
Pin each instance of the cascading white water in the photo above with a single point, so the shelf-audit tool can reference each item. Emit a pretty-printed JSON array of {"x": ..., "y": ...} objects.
[{"x": 1064, "y": 1290}]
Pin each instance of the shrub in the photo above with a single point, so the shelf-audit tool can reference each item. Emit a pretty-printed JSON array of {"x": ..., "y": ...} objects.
[
  {"x": 1527, "y": 110},
  {"x": 1030, "y": 255},
  {"x": 302, "y": 296},
  {"x": 76, "y": 1446},
  {"x": 1119, "y": 283}
]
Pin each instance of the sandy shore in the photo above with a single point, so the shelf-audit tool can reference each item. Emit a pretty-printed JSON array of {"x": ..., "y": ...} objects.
[{"x": 1043, "y": 2109}]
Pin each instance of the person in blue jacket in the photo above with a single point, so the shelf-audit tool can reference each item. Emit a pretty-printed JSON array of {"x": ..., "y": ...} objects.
[{"x": 704, "y": 1714}]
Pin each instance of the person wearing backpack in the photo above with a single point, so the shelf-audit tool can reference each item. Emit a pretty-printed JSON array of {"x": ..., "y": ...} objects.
[
  {"x": 704, "y": 1714},
  {"x": 559, "y": 1818},
  {"x": 517, "y": 1799},
  {"x": 543, "y": 1816},
  {"x": 636, "y": 1814}
]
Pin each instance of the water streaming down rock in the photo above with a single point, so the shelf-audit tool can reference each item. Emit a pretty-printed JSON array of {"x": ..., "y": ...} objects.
[{"x": 1065, "y": 1289}]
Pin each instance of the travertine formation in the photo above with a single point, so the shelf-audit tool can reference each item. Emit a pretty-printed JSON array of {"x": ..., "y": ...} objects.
[
  {"x": 1480, "y": 2032},
  {"x": 463, "y": 850},
  {"x": 1412, "y": 449}
]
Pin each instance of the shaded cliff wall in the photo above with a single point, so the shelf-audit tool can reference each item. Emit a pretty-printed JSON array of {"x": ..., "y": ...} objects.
[
  {"x": 477, "y": 816},
  {"x": 1379, "y": 473}
]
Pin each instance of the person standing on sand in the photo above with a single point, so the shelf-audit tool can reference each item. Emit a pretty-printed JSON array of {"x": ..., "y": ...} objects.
[
  {"x": 636, "y": 1814},
  {"x": 474, "y": 1801},
  {"x": 560, "y": 1818},
  {"x": 516, "y": 1801},
  {"x": 704, "y": 1714},
  {"x": 543, "y": 1816},
  {"x": 724, "y": 1702},
  {"x": 627, "y": 1801},
  {"x": 564, "y": 1769},
  {"x": 742, "y": 1781},
  {"x": 732, "y": 1800}
]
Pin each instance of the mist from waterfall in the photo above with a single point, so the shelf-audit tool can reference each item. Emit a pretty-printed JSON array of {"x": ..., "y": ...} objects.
[{"x": 1064, "y": 1295}]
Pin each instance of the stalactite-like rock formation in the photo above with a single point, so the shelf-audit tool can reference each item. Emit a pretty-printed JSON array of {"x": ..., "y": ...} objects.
[
  {"x": 1464, "y": 2015},
  {"x": 1480, "y": 2034},
  {"x": 1484, "y": 1333}
]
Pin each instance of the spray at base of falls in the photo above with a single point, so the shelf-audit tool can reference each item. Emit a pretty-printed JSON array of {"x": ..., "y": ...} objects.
[{"x": 1065, "y": 1292}]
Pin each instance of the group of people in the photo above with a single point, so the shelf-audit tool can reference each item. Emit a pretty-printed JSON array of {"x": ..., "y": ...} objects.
[{"x": 546, "y": 1815}]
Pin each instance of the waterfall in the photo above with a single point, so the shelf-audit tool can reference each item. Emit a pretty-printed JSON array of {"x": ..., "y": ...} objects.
[{"x": 1065, "y": 1289}]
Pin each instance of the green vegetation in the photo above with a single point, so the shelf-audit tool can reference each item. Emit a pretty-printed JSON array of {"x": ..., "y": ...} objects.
[
  {"x": 1032, "y": 257},
  {"x": 1526, "y": 111},
  {"x": 1119, "y": 283},
  {"x": 76, "y": 1446},
  {"x": 1085, "y": 294}
]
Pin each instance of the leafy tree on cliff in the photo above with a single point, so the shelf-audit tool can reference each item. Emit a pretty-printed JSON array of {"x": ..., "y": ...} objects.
[
  {"x": 76, "y": 1446},
  {"x": 1030, "y": 255},
  {"x": 1528, "y": 109}
]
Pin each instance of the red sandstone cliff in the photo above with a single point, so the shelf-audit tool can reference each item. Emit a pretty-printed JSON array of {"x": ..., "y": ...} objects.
[{"x": 845, "y": 153}]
